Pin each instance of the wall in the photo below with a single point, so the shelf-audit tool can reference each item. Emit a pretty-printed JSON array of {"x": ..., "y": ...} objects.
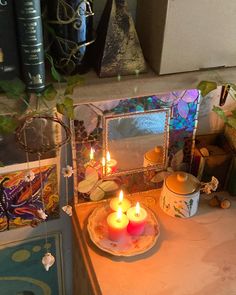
[
  {"x": 208, "y": 121},
  {"x": 62, "y": 225}
]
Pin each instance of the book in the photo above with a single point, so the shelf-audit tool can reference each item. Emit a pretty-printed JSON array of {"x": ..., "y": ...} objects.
[
  {"x": 9, "y": 58},
  {"x": 30, "y": 41}
]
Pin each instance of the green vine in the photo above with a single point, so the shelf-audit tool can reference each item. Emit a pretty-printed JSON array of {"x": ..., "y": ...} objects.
[
  {"x": 207, "y": 86},
  {"x": 46, "y": 101}
]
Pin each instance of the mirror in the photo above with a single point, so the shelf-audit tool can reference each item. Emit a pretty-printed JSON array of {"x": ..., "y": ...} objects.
[
  {"x": 98, "y": 127},
  {"x": 136, "y": 141}
]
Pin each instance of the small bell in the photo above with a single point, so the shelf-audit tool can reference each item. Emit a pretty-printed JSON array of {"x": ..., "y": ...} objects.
[{"x": 48, "y": 260}]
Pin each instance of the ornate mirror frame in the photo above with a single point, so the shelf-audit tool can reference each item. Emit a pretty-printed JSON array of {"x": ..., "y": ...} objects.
[
  {"x": 160, "y": 166},
  {"x": 87, "y": 133}
]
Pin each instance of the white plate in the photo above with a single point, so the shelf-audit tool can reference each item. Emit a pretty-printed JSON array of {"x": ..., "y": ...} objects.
[{"x": 129, "y": 245}]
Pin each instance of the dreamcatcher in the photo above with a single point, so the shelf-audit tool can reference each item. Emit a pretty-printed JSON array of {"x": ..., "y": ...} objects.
[{"x": 39, "y": 135}]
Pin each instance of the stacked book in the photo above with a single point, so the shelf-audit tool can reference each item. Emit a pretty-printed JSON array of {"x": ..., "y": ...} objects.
[{"x": 21, "y": 43}]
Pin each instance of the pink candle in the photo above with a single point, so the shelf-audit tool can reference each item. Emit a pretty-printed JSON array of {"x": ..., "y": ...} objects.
[
  {"x": 137, "y": 220},
  {"x": 117, "y": 225},
  {"x": 124, "y": 204}
]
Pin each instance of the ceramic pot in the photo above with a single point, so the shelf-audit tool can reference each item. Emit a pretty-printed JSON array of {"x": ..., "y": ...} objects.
[{"x": 180, "y": 195}]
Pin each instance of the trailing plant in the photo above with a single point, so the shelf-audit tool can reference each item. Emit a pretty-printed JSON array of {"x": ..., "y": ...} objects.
[
  {"x": 59, "y": 97},
  {"x": 228, "y": 89}
]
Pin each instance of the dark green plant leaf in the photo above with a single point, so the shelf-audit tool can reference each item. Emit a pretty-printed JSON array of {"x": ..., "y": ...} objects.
[
  {"x": 13, "y": 88},
  {"x": 7, "y": 124},
  {"x": 56, "y": 76},
  {"x": 232, "y": 122},
  {"x": 66, "y": 107},
  {"x": 206, "y": 86},
  {"x": 220, "y": 113},
  {"x": 1, "y": 164},
  {"x": 50, "y": 93},
  {"x": 72, "y": 82}
]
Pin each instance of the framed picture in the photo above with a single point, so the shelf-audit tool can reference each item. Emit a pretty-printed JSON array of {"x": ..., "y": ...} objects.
[
  {"x": 22, "y": 271},
  {"x": 20, "y": 199}
]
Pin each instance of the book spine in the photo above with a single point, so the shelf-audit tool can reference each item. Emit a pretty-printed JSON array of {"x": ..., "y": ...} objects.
[
  {"x": 9, "y": 59},
  {"x": 30, "y": 39}
]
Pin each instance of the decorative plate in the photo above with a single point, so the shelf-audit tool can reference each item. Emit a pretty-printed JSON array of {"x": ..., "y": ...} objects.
[{"x": 127, "y": 246}]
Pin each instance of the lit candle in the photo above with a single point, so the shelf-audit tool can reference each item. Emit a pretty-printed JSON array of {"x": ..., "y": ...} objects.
[
  {"x": 121, "y": 202},
  {"x": 111, "y": 163},
  {"x": 91, "y": 155},
  {"x": 117, "y": 225},
  {"x": 104, "y": 167},
  {"x": 137, "y": 220}
]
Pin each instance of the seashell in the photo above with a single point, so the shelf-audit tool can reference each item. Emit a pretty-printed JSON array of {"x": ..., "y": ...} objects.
[
  {"x": 67, "y": 209},
  {"x": 42, "y": 214},
  {"x": 67, "y": 171},
  {"x": 225, "y": 204},
  {"x": 48, "y": 260},
  {"x": 29, "y": 176}
]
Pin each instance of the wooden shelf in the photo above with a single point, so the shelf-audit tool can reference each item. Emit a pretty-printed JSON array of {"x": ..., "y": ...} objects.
[{"x": 101, "y": 89}]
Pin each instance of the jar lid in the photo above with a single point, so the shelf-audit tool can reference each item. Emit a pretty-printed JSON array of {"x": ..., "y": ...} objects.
[
  {"x": 182, "y": 183},
  {"x": 155, "y": 155}
]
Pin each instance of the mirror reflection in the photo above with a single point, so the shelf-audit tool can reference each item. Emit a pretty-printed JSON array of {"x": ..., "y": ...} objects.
[{"x": 136, "y": 141}]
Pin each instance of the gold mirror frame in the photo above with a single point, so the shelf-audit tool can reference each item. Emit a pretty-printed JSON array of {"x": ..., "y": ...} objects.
[{"x": 165, "y": 145}]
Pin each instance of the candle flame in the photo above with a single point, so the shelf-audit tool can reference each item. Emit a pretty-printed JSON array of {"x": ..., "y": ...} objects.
[
  {"x": 91, "y": 155},
  {"x": 119, "y": 214},
  {"x": 121, "y": 197},
  {"x": 137, "y": 209},
  {"x": 103, "y": 162},
  {"x": 108, "y": 157}
]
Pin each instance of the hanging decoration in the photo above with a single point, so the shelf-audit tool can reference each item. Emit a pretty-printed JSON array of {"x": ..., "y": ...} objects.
[{"x": 34, "y": 135}]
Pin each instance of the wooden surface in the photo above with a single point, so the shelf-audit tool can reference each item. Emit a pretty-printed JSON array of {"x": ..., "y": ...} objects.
[{"x": 194, "y": 256}]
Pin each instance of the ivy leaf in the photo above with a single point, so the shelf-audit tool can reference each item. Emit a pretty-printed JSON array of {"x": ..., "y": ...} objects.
[
  {"x": 49, "y": 93},
  {"x": 55, "y": 74},
  {"x": 206, "y": 86},
  {"x": 232, "y": 122},
  {"x": 66, "y": 107},
  {"x": 7, "y": 124},
  {"x": 220, "y": 113},
  {"x": 72, "y": 82},
  {"x": 13, "y": 88}
]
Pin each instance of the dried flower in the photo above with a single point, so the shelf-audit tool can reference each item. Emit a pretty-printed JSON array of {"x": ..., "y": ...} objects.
[
  {"x": 67, "y": 209},
  {"x": 210, "y": 186},
  {"x": 68, "y": 171},
  {"x": 29, "y": 176},
  {"x": 48, "y": 260},
  {"x": 42, "y": 214}
]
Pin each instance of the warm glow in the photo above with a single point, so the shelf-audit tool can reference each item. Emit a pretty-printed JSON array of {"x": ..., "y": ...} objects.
[
  {"x": 91, "y": 156},
  {"x": 137, "y": 209},
  {"x": 103, "y": 162},
  {"x": 119, "y": 214},
  {"x": 108, "y": 157},
  {"x": 121, "y": 197}
]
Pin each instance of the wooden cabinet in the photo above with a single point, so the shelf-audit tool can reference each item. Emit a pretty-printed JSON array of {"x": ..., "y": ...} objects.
[{"x": 187, "y": 35}]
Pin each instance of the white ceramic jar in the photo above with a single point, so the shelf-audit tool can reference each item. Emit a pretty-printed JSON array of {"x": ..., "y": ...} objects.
[{"x": 180, "y": 195}]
